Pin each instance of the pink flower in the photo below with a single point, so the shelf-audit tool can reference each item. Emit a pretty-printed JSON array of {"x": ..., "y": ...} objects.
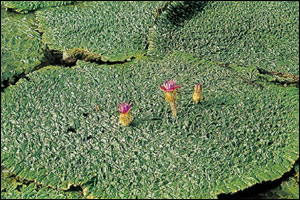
[
  {"x": 169, "y": 86},
  {"x": 124, "y": 107}
]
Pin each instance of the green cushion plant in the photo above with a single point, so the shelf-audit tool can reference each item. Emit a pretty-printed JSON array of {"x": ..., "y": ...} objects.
[
  {"x": 60, "y": 127},
  {"x": 239, "y": 136},
  {"x": 28, "y": 6},
  {"x": 21, "y": 47},
  {"x": 260, "y": 34},
  {"x": 105, "y": 30}
]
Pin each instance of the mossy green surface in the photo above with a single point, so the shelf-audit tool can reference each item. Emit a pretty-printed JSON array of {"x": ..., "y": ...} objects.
[
  {"x": 60, "y": 127},
  {"x": 260, "y": 34},
  {"x": 28, "y": 6},
  {"x": 21, "y": 46},
  {"x": 114, "y": 30},
  {"x": 239, "y": 136},
  {"x": 14, "y": 188}
]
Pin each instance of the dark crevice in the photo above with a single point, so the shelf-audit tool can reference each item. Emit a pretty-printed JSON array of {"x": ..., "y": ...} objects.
[
  {"x": 12, "y": 81},
  {"x": 71, "y": 129},
  {"x": 255, "y": 191},
  {"x": 87, "y": 138},
  {"x": 19, "y": 187},
  {"x": 79, "y": 54},
  {"x": 155, "y": 118},
  {"x": 51, "y": 57},
  {"x": 147, "y": 45},
  {"x": 55, "y": 57},
  {"x": 12, "y": 10},
  {"x": 288, "y": 78},
  {"x": 19, "y": 180},
  {"x": 24, "y": 182},
  {"x": 75, "y": 188},
  {"x": 277, "y": 77}
]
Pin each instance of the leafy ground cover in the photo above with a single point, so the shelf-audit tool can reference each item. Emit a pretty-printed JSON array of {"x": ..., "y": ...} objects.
[
  {"x": 14, "y": 188},
  {"x": 60, "y": 129},
  {"x": 21, "y": 47},
  {"x": 11, "y": 188},
  {"x": 260, "y": 34},
  {"x": 27, "y": 6},
  {"x": 157, "y": 156},
  {"x": 109, "y": 30}
]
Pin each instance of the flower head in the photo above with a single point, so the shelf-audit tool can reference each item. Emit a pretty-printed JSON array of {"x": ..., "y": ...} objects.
[
  {"x": 169, "y": 86},
  {"x": 197, "y": 95},
  {"x": 124, "y": 107},
  {"x": 198, "y": 87}
]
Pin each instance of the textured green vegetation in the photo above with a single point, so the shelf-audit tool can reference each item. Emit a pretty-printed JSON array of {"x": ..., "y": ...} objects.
[
  {"x": 112, "y": 30},
  {"x": 14, "y": 188},
  {"x": 260, "y": 34},
  {"x": 21, "y": 47},
  {"x": 27, "y": 6},
  {"x": 60, "y": 128},
  {"x": 52, "y": 132}
]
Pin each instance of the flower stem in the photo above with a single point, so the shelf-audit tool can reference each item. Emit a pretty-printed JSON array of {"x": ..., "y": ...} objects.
[{"x": 173, "y": 108}]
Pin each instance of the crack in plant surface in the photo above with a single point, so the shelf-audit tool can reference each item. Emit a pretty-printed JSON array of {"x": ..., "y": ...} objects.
[
  {"x": 227, "y": 66},
  {"x": 24, "y": 182},
  {"x": 267, "y": 76},
  {"x": 54, "y": 57},
  {"x": 289, "y": 78},
  {"x": 80, "y": 54},
  {"x": 51, "y": 57},
  {"x": 15, "y": 79}
]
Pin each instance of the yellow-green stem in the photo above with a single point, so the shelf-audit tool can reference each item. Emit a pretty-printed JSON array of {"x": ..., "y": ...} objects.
[{"x": 173, "y": 108}]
